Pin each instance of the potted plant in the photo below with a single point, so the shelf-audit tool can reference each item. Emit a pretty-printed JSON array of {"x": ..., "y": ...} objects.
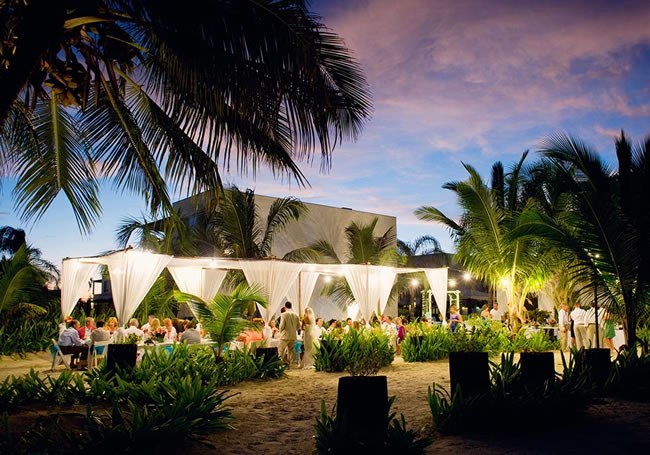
[
  {"x": 536, "y": 361},
  {"x": 122, "y": 353},
  {"x": 223, "y": 317},
  {"x": 468, "y": 365},
  {"x": 363, "y": 396}
]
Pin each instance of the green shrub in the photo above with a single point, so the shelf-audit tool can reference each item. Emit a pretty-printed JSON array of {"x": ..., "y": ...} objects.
[
  {"x": 509, "y": 398},
  {"x": 329, "y": 356},
  {"x": 630, "y": 375},
  {"x": 424, "y": 343},
  {"x": 366, "y": 351},
  {"x": 27, "y": 336},
  {"x": 360, "y": 353},
  {"x": 334, "y": 436},
  {"x": 539, "y": 341}
]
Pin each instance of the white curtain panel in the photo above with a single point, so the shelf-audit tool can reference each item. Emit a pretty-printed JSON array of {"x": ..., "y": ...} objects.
[
  {"x": 75, "y": 275},
  {"x": 370, "y": 286},
  {"x": 275, "y": 278},
  {"x": 438, "y": 282},
  {"x": 198, "y": 281},
  {"x": 302, "y": 289},
  {"x": 132, "y": 275}
]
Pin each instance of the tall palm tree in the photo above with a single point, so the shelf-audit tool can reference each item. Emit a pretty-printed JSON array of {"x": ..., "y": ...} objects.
[
  {"x": 425, "y": 244},
  {"x": 484, "y": 240},
  {"x": 11, "y": 239},
  {"x": 604, "y": 227},
  {"x": 147, "y": 93}
]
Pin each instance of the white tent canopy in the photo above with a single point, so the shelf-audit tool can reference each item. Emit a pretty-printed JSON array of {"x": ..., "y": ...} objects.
[
  {"x": 134, "y": 272},
  {"x": 75, "y": 277},
  {"x": 438, "y": 282},
  {"x": 301, "y": 290}
]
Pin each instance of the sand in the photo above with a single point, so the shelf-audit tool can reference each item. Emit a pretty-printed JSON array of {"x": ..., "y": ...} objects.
[{"x": 279, "y": 416}]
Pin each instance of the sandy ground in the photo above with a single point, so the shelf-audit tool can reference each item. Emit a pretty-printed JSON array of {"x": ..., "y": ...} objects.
[{"x": 279, "y": 416}]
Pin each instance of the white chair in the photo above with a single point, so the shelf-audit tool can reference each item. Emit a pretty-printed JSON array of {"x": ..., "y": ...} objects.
[
  {"x": 99, "y": 351},
  {"x": 58, "y": 356}
]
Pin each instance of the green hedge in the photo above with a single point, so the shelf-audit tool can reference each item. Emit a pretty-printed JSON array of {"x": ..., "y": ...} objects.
[{"x": 360, "y": 353}]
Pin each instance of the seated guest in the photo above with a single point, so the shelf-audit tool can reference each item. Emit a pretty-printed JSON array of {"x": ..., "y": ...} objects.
[
  {"x": 190, "y": 335},
  {"x": 271, "y": 331},
  {"x": 252, "y": 334},
  {"x": 147, "y": 327},
  {"x": 112, "y": 325},
  {"x": 87, "y": 329},
  {"x": 170, "y": 331},
  {"x": 156, "y": 332},
  {"x": 100, "y": 333},
  {"x": 70, "y": 343},
  {"x": 133, "y": 328}
]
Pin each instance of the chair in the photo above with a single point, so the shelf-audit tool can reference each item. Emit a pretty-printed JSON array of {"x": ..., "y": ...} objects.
[
  {"x": 99, "y": 351},
  {"x": 58, "y": 356}
]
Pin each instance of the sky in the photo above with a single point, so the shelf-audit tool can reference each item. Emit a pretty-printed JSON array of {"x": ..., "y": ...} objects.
[{"x": 453, "y": 82}]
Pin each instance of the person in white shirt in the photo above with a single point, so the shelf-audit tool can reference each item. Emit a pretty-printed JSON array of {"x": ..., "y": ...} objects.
[
  {"x": 495, "y": 313},
  {"x": 133, "y": 328},
  {"x": 579, "y": 327},
  {"x": 322, "y": 330},
  {"x": 147, "y": 326},
  {"x": 564, "y": 325},
  {"x": 170, "y": 331},
  {"x": 590, "y": 321}
]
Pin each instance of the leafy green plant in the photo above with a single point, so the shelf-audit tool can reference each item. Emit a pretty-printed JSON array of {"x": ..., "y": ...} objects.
[
  {"x": 532, "y": 342},
  {"x": 223, "y": 316},
  {"x": 329, "y": 355},
  {"x": 630, "y": 374},
  {"x": 366, "y": 351},
  {"x": 333, "y": 436},
  {"x": 424, "y": 343},
  {"x": 26, "y": 335}
]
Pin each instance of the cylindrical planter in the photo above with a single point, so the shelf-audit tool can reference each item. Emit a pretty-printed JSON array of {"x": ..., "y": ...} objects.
[
  {"x": 362, "y": 406},
  {"x": 267, "y": 353},
  {"x": 536, "y": 368},
  {"x": 122, "y": 355},
  {"x": 470, "y": 371},
  {"x": 600, "y": 362}
]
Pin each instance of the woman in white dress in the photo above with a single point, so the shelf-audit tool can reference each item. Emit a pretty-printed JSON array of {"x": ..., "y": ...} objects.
[{"x": 311, "y": 338}]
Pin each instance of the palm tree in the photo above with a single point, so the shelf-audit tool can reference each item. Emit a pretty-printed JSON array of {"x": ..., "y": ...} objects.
[
  {"x": 223, "y": 316},
  {"x": 148, "y": 93},
  {"x": 425, "y": 244},
  {"x": 11, "y": 239},
  {"x": 604, "y": 227},
  {"x": 240, "y": 230},
  {"x": 363, "y": 247},
  {"x": 484, "y": 240},
  {"x": 23, "y": 278}
]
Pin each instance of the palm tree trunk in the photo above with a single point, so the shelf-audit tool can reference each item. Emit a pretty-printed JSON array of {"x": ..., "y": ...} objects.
[{"x": 39, "y": 28}]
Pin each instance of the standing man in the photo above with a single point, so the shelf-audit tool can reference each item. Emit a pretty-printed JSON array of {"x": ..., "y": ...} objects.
[
  {"x": 289, "y": 325},
  {"x": 495, "y": 312},
  {"x": 564, "y": 324},
  {"x": 579, "y": 327}
]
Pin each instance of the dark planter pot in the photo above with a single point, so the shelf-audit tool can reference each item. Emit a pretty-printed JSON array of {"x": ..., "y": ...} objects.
[
  {"x": 267, "y": 353},
  {"x": 363, "y": 404},
  {"x": 536, "y": 368},
  {"x": 470, "y": 371},
  {"x": 600, "y": 362},
  {"x": 122, "y": 355}
]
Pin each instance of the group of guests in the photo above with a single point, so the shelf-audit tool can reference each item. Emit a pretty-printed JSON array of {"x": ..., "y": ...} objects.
[
  {"x": 578, "y": 327},
  {"x": 79, "y": 340}
]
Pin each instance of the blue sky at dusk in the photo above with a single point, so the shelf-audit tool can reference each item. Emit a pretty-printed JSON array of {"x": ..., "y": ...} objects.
[{"x": 452, "y": 82}]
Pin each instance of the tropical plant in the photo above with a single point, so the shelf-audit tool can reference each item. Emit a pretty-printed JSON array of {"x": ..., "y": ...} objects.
[
  {"x": 223, "y": 317},
  {"x": 144, "y": 92},
  {"x": 604, "y": 225},
  {"x": 335, "y": 435},
  {"x": 485, "y": 244},
  {"x": 360, "y": 353}
]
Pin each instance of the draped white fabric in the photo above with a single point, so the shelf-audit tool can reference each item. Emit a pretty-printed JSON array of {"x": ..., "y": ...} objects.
[
  {"x": 438, "y": 282},
  {"x": 75, "y": 275},
  {"x": 132, "y": 275},
  {"x": 275, "y": 278},
  {"x": 370, "y": 286},
  {"x": 198, "y": 281},
  {"x": 302, "y": 289}
]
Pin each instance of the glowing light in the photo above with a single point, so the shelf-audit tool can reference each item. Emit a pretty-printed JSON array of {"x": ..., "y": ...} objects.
[
  {"x": 327, "y": 279},
  {"x": 467, "y": 276},
  {"x": 452, "y": 283},
  {"x": 505, "y": 282},
  {"x": 414, "y": 282}
]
